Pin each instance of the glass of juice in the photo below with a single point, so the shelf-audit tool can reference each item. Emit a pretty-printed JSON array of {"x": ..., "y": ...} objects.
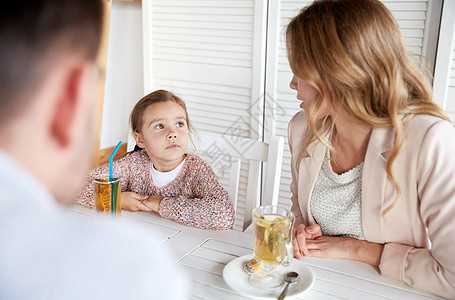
[
  {"x": 273, "y": 228},
  {"x": 107, "y": 195}
]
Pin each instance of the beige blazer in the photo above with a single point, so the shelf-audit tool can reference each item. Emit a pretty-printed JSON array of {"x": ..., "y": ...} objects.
[{"x": 419, "y": 232}]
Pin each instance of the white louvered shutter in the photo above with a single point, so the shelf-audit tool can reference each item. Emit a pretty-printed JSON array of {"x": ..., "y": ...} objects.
[
  {"x": 444, "y": 77},
  {"x": 210, "y": 53},
  {"x": 450, "y": 100},
  {"x": 451, "y": 93},
  {"x": 411, "y": 16}
]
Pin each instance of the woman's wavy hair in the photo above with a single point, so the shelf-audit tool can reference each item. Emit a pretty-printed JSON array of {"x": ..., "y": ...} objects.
[{"x": 355, "y": 48}]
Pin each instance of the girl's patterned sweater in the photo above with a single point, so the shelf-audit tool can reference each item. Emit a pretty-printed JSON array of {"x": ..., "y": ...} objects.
[{"x": 193, "y": 198}]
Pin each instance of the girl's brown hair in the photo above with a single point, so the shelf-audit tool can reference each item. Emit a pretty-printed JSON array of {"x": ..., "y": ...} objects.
[
  {"x": 150, "y": 99},
  {"x": 356, "y": 49}
]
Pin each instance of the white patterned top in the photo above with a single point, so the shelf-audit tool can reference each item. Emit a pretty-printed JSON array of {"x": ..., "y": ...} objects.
[{"x": 335, "y": 202}]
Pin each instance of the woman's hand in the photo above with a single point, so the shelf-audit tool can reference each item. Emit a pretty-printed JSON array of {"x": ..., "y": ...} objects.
[
  {"x": 345, "y": 248},
  {"x": 309, "y": 241},
  {"x": 153, "y": 202},
  {"x": 303, "y": 233},
  {"x": 133, "y": 202}
]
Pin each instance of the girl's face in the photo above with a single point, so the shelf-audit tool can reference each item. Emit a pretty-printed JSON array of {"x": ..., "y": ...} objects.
[
  {"x": 164, "y": 135},
  {"x": 307, "y": 93}
]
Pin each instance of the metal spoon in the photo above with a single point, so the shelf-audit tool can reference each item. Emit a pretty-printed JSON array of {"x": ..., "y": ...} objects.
[{"x": 291, "y": 277}]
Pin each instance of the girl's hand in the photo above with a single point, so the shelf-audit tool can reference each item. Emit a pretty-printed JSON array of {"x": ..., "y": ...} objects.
[
  {"x": 301, "y": 234},
  {"x": 345, "y": 248},
  {"x": 153, "y": 202},
  {"x": 133, "y": 202}
]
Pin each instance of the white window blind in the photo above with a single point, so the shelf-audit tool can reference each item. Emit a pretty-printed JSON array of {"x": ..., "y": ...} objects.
[
  {"x": 210, "y": 54},
  {"x": 444, "y": 75},
  {"x": 450, "y": 102},
  {"x": 451, "y": 95}
]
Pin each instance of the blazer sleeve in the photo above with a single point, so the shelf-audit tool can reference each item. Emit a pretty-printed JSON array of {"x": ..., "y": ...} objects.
[
  {"x": 431, "y": 270},
  {"x": 295, "y": 206}
]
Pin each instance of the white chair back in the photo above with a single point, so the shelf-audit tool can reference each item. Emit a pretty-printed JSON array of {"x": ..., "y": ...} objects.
[{"x": 262, "y": 161}]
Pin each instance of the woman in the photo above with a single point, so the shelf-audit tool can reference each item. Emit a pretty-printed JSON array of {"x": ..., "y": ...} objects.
[{"x": 373, "y": 158}]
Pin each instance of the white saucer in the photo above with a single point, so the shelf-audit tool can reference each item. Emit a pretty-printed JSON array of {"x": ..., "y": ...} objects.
[{"x": 238, "y": 280}]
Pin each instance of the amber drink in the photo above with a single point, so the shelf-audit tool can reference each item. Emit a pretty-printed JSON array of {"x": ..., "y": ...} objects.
[
  {"x": 272, "y": 244},
  {"x": 271, "y": 235},
  {"x": 107, "y": 192}
]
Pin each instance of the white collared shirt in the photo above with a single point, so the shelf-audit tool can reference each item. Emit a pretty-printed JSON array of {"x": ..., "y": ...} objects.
[{"x": 46, "y": 252}]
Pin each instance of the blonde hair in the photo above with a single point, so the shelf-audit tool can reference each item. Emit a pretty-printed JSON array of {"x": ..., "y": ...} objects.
[{"x": 356, "y": 49}]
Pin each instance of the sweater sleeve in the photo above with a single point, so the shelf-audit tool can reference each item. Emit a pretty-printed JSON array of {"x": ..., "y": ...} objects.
[
  {"x": 120, "y": 168},
  {"x": 431, "y": 270},
  {"x": 210, "y": 206}
]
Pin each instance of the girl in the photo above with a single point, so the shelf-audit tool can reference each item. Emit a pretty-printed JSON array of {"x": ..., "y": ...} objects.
[
  {"x": 162, "y": 177},
  {"x": 373, "y": 162}
]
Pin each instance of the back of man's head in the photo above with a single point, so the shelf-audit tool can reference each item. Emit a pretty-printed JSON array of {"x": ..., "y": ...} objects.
[{"x": 32, "y": 34}]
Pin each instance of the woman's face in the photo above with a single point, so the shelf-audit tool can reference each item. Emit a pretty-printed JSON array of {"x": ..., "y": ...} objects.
[{"x": 307, "y": 93}]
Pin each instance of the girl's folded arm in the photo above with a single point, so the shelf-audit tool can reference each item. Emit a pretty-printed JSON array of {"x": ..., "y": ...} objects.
[
  {"x": 120, "y": 168},
  {"x": 210, "y": 208}
]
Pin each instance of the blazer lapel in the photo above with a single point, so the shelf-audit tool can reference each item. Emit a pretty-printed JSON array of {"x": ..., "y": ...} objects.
[
  {"x": 309, "y": 169},
  {"x": 374, "y": 179}
]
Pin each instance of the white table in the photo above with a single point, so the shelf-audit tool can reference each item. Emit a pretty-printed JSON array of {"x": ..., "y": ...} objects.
[{"x": 204, "y": 253}]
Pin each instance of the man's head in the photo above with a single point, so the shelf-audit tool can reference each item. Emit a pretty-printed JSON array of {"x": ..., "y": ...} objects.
[
  {"x": 31, "y": 34},
  {"x": 48, "y": 86}
]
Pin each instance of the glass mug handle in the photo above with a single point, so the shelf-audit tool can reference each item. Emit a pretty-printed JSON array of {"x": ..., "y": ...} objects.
[{"x": 289, "y": 248}]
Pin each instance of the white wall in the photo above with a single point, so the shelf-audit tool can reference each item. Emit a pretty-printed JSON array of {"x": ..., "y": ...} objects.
[{"x": 124, "y": 78}]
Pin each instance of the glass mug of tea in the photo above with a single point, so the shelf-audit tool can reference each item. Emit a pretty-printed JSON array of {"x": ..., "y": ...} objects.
[{"x": 273, "y": 228}]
